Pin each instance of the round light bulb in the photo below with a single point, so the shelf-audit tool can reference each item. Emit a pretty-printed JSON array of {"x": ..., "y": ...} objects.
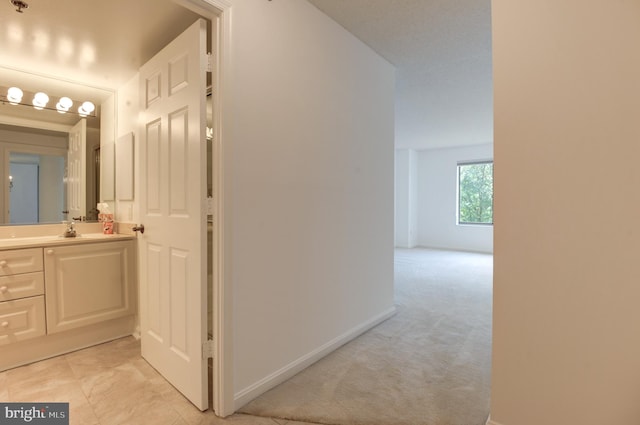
[
  {"x": 88, "y": 106},
  {"x": 14, "y": 95},
  {"x": 64, "y": 104},
  {"x": 86, "y": 109},
  {"x": 40, "y": 100}
]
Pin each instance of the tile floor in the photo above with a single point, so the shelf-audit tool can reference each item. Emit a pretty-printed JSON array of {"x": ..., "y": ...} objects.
[{"x": 110, "y": 384}]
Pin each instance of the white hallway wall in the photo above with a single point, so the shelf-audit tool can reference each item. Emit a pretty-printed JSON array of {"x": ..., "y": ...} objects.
[
  {"x": 426, "y": 189},
  {"x": 309, "y": 178},
  {"x": 566, "y": 332}
]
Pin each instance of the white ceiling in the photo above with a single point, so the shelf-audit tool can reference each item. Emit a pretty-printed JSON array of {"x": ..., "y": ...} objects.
[
  {"x": 442, "y": 53},
  {"x": 441, "y": 50},
  {"x": 99, "y": 42}
]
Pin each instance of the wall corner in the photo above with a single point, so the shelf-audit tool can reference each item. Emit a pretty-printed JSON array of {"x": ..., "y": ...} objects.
[{"x": 491, "y": 422}]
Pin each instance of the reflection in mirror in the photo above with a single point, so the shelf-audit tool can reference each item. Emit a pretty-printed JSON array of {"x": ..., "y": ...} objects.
[
  {"x": 36, "y": 188},
  {"x": 50, "y": 161}
]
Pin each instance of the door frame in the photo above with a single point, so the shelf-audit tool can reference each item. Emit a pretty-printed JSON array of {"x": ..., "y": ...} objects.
[{"x": 219, "y": 12}]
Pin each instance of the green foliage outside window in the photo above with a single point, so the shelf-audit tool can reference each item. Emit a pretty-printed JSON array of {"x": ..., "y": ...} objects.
[{"x": 475, "y": 191}]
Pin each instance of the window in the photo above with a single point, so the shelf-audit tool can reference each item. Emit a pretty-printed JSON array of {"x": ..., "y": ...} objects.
[{"x": 475, "y": 193}]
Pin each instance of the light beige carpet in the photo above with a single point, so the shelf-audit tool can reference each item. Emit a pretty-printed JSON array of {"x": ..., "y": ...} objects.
[{"x": 428, "y": 365}]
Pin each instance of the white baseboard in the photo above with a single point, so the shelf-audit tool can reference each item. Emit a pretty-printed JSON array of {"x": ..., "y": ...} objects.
[
  {"x": 247, "y": 394},
  {"x": 490, "y": 422}
]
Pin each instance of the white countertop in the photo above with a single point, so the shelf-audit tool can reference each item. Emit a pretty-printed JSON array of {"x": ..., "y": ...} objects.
[{"x": 40, "y": 241}]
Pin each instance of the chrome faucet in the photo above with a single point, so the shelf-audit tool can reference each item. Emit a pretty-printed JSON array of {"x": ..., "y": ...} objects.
[{"x": 70, "y": 231}]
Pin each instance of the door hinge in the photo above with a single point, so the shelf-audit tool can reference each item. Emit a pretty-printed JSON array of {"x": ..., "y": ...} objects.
[
  {"x": 207, "y": 349},
  {"x": 209, "y": 62},
  {"x": 210, "y": 205}
]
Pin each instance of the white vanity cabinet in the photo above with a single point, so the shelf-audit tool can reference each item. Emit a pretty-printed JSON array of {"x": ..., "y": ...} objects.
[
  {"x": 88, "y": 284},
  {"x": 58, "y": 295}
]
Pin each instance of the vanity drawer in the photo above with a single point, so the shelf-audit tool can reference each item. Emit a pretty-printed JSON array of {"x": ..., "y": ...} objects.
[
  {"x": 21, "y": 286},
  {"x": 22, "y": 319},
  {"x": 18, "y": 261}
]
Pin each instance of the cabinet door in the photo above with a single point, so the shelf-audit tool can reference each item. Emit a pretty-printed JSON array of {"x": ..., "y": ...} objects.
[{"x": 88, "y": 283}]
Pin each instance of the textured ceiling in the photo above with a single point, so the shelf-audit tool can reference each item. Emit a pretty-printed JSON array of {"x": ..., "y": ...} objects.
[{"x": 442, "y": 53}]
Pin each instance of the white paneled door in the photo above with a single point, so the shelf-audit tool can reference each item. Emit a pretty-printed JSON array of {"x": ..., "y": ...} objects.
[
  {"x": 173, "y": 292},
  {"x": 77, "y": 172}
]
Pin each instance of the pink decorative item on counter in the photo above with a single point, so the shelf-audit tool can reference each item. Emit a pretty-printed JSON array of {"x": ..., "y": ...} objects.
[
  {"x": 105, "y": 216},
  {"x": 107, "y": 227}
]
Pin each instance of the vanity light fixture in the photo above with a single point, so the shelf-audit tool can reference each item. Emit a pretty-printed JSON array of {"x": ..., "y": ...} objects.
[
  {"x": 64, "y": 104},
  {"x": 40, "y": 100},
  {"x": 14, "y": 95}
]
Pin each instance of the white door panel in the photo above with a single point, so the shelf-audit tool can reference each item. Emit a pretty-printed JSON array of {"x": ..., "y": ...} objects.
[
  {"x": 77, "y": 171},
  {"x": 173, "y": 187}
]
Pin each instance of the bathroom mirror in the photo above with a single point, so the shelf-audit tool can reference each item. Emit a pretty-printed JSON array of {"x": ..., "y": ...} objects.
[{"x": 55, "y": 166}]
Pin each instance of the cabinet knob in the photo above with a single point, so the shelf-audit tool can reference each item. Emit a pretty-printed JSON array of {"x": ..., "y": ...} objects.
[
  {"x": 4, "y": 289},
  {"x": 50, "y": 251},
  {"x": 3, "y": 263},
  {"x": 4, "y": 324}
]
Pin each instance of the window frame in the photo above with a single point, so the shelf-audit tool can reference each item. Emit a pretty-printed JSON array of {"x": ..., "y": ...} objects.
[{"x": 458, "y": 192}]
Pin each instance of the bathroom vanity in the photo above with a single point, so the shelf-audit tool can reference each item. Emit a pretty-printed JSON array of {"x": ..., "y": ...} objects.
[{"x": 61, "y": 294}]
